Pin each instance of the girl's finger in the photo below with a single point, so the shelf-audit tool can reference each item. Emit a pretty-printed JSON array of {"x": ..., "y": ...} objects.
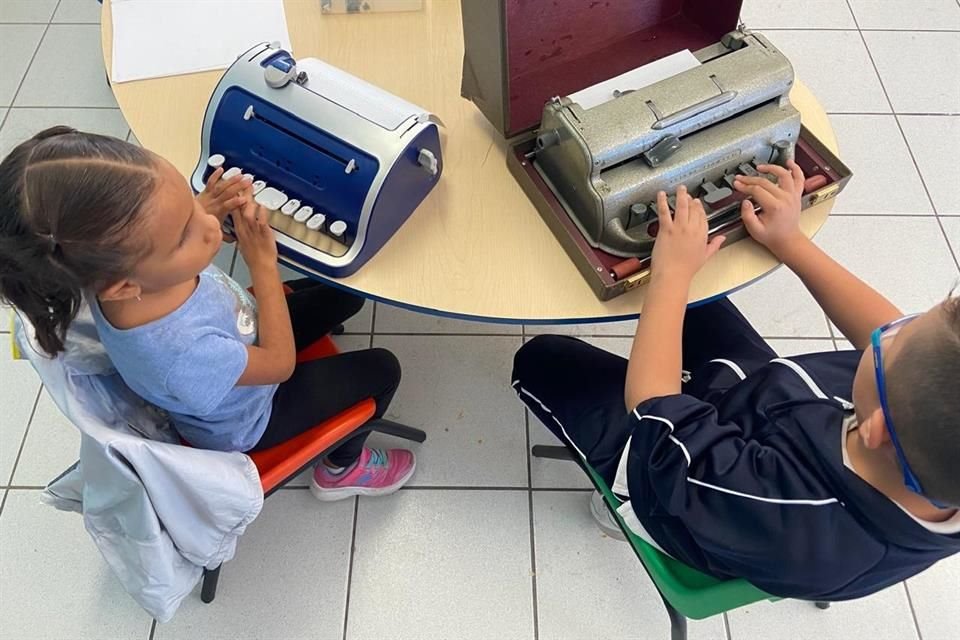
[
  {"x": 663, "y": 211},
  {"x": 213, "y": 179},
  {"x": 749, "y": 217},
  {"x": 783, "y": 176},
  {"x": 682, "y": 210},
  {"x": 714, "y": 245},
  {"x": 759, "y": 184},
  {"x": 798, "y": 177},
  {"x": 763, "y": 197}
]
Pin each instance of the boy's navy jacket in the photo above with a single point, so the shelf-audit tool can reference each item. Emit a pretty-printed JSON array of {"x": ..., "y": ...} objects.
[{"x": 742, "y": 475}]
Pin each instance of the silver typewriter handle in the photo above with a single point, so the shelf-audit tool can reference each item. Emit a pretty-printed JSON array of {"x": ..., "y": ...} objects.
[{"x": 665, "y": 122}]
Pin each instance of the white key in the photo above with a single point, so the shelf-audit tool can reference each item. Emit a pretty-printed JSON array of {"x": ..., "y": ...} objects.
[
  {"x": 215, "y": 161},
  {"x": 271, "y": 198},
  {"x": 258, "y": 186},
  {"x": 231, "y": 172},
  {"x": 291, "y": 207},
  {"x": 338, "y": 228},
  {"x": 316, "y": 222},
  {"x": 303, "y": 215}
]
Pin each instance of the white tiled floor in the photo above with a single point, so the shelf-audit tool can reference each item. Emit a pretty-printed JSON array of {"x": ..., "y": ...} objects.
[{"x": 490, "y": 543}]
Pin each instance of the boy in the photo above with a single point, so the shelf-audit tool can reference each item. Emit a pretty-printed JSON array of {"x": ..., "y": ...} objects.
[{"x": 755, "y": 466}]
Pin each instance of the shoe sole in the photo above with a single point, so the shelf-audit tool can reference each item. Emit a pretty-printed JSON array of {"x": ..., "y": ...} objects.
[
  {"x": 603, "y": 523},
  {"x": 332, "y": 495}
]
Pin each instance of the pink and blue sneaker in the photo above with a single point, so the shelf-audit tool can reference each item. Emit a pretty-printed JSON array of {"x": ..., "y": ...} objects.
[{"x": 378, "y": 472}]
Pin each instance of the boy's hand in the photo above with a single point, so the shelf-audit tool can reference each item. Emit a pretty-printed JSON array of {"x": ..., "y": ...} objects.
[
  {"x": 256, "y": 240},
  {"x": 681, "y": 248},
  {"x": 779, "y": 224},
  {"x": 221, "y": 197}
]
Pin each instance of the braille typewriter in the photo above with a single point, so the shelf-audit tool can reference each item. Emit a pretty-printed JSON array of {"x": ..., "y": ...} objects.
[
  {"x": 340, "y": 163},
  {"x": 612, "y": 102}
]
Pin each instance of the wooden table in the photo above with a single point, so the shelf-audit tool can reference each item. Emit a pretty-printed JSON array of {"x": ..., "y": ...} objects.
[{"x": 476, "y": 248}]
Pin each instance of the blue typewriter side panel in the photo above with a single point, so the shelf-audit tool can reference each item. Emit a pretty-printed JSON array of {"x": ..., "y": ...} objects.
[
  {"x": 299, "y": 159},
  {"x": 404, "y": 189}
]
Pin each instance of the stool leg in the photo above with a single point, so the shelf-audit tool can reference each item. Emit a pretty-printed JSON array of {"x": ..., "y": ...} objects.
[
  {"x": 557, "y": 452},
  {"x": 678, "y": 623},
  {"x": 208, "y": 591},
  {"x": 397, "y": 430},
  {"x": 822, "y": 605}
]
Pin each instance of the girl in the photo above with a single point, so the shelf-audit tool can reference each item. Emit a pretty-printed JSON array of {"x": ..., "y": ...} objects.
[{"x": 84, "y": 216}]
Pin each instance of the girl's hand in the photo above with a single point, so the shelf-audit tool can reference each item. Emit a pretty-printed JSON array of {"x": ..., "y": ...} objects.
[
  {"x": 221, "y": 197},
  {"x": 778, "y": 226},
  {"x": 256, "y": 241},
  {"x": 681, "y": 248}
]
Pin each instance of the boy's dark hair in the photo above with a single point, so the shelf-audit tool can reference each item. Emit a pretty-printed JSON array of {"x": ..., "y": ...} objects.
[
  {"x": 924, "y": 394},
  {"x": 68, "y": 201}
]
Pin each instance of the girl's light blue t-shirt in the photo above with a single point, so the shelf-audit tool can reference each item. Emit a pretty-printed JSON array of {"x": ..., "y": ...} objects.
[{"x": 189, "y": 362}]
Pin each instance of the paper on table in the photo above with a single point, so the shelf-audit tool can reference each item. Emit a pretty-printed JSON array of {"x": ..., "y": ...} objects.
[
  {"x": 157, "y": 38},
  {"x": 637, "y": 78}
]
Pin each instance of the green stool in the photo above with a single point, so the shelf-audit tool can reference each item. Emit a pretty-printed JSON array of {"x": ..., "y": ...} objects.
[{"x": 686, "y": 593}]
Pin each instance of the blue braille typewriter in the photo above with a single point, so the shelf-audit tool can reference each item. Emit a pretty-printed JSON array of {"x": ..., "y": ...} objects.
[{"x": 340, "y": 163}]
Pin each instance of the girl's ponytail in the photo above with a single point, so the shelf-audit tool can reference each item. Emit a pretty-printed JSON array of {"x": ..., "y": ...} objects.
[{"x": 67, "y": 202}]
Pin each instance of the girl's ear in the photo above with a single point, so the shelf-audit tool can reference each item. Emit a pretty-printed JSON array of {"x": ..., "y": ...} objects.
[
  {"x": 873, "y": 430},
  {"x": 120, "y": 290}
]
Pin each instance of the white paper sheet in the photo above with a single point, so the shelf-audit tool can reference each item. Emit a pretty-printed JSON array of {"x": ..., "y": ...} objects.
[
  {"x": 637, "y": 78},
  {"x": 352, "y": 93},
  {"x": 157, "y": 38}
]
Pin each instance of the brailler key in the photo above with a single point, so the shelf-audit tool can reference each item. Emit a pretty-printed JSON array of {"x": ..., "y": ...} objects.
[
  {"x": 714, "y": 194},
  {"x": 338, "y": 228},
  {"x": 747, "y": 169},
  {"x": 316, "y": 222}
]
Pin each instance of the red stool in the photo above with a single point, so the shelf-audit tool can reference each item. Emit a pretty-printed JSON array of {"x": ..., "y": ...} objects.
[{"x": 280, "y": 464}]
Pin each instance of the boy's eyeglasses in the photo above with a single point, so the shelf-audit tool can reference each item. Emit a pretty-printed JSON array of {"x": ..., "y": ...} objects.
[{"x": 879, "y": 338}]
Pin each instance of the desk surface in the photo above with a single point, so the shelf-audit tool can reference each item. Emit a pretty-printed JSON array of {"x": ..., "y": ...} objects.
[{"x": 476, "y": 247}]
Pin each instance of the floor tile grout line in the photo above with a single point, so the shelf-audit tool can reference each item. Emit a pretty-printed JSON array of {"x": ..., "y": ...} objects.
[
  {"x": 869, "y": 30},
  {"x": 906, "y": 142},
  {"x": 32, "y": 107},
  {"x": 26, "y": 433},
  {"x": 752, "y": 28},
  {"x": 578, "y": 335},
  {"x": 464, "y": 487},
  {"x": 887, "y": 113},
  {"x": 533, "y": 569},
  {"x": 896, "y": 117},
  {"x": 884, "y": 215},
  {"x": 913, "y": 612},
  {"x": 533, "y": 539},
  {"x": 23, "y": 441},
  {"x": 353, "y": 544},
  {"x": 833, "y": 335},
  {"x": 13, "y": 99},
  {"x": 955, "y": 254}
]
